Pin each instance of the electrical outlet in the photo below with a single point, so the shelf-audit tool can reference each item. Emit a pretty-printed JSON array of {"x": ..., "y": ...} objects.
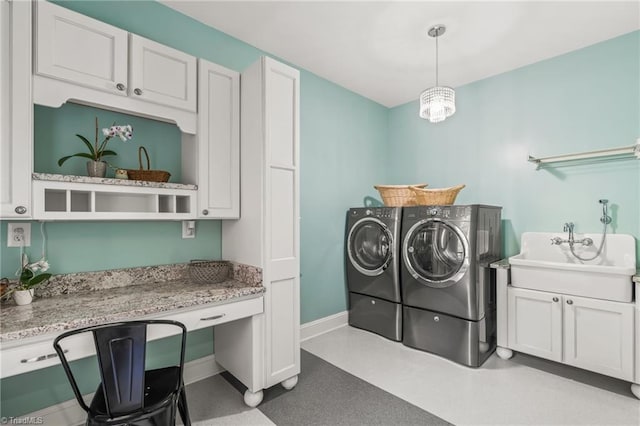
[
  {"x": 18, "y": 234},
  {"x": 188, "y": 229}
]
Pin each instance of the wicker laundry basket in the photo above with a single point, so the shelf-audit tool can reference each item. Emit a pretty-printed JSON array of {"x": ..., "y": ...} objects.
[
  {"x": 398, "y": 195},
  {"x": 147, "y": 175},
  {"x": 436, "y": 196}
]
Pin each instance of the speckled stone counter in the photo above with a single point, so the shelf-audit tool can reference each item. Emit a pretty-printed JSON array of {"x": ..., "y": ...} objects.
[
  {"x": 110, "y": 181},
  {"x": 63, "y": 310},
  {"x": 501, "y": 264}
]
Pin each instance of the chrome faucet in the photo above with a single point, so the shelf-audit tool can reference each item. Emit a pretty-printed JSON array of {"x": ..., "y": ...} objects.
[{"x": 568, "y": 227}]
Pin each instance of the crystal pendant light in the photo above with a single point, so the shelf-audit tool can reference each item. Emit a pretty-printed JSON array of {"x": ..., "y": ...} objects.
[{"x": 439, "y": 102}]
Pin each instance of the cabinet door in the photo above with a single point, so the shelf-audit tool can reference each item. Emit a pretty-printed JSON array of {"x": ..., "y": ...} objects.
[
  {"x": 599, "y": 336},
  {"x": 282, "y": 232},
  {"x": 218, "y": 142},
  {"x": 16, "y": 120},
  {"x": 161, "y": 74},
  {"x": 75, "y": 48},
  {"x": 535, "y": 323}
]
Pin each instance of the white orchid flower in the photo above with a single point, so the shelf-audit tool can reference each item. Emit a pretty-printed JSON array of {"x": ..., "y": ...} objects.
[{"x": 40, "y": 266}]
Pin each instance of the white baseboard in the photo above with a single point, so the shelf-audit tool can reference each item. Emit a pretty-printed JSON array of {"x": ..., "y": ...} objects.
[
  {"x": 70, "y": 413},
  {"x": 323, "y": 325}
]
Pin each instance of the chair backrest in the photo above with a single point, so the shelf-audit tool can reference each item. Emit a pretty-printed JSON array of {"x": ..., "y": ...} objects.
[{"x": 121, "y": 352}]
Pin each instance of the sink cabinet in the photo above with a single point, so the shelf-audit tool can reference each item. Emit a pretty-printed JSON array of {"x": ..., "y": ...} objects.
[
  {"x": 16, "y": 111},
  {"x": 593, "y": 334},
  {"x": 87, "y": 61}
]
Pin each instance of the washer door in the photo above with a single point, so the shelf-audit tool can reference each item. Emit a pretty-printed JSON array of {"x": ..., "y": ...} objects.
[
  {"x": 435, "y": 253},
  {"x": 369, "y": 246}
]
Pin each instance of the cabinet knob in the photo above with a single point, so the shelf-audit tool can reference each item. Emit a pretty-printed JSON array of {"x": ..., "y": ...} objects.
[
  {"x": 121, "y": 87},
  {"x": 20, "y": 209},
  {"x": 205, "y": 212},
  {"x": 555, "y": 299},
  {"x": 137, "y": 91},
  {"x": 569, "y": 302}
]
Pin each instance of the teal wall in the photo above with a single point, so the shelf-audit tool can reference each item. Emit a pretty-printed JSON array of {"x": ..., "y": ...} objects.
[
  {"x": 584, "y": 100},
  {"x": 342, "y": 136}
]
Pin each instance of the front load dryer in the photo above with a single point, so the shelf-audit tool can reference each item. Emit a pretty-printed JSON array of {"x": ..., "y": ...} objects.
[
  {"x": 448, "y": 288},
  {"x": 372, "y": 244}
]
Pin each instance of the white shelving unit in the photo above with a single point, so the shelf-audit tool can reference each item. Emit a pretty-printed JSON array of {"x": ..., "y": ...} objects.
[
  {"x": 612, "y": 153},
  {"x": 59, "y": 198}
]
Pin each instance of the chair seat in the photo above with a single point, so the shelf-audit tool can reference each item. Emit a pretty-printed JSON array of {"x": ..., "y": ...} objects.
[{"x": 160, "y": 395}]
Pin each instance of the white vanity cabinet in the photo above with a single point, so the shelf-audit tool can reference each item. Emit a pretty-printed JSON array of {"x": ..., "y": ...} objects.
[
  {"x": 267, "y": 235},
  {"x": 87, "y": 61},
  {"x": 535, "y": 323},
  {"x": 214, "y": 157},
  {"x": 16, "y": 111},
  {"x": 593, "y": 334}
]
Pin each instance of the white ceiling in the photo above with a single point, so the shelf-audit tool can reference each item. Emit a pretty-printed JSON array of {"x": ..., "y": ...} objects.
[{"x": 380, "y": 49}]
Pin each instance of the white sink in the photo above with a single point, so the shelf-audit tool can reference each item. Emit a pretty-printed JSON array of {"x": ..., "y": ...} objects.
[{"x": 543, "y": 266}]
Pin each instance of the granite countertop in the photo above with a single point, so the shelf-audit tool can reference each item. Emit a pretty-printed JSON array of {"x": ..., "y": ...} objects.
[
  {"x": 67, "y": 311},
  {"x": 110, "y": 181}
]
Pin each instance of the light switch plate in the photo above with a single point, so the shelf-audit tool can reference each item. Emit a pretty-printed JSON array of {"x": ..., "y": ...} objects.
[{"x": 19, "y": 234}]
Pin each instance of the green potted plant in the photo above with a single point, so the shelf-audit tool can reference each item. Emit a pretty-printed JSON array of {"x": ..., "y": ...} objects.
[
  {"x": 29, "y": 275},
  {"x": 96, "y": 167}
]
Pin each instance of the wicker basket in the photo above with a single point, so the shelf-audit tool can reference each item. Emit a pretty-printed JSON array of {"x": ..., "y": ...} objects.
[
  {"x": 398, "y": 195},
  {"x": 436, "y": 197},
  {"x": 209, "y": 271},
  {"x": 148, "y": 175}
]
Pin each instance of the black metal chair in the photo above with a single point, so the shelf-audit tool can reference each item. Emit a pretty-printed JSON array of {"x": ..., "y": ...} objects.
[{"x": 128, "y": 393}]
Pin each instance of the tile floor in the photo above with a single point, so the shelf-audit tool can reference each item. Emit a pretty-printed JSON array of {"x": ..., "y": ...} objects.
[{"x": 521, "y": 391}]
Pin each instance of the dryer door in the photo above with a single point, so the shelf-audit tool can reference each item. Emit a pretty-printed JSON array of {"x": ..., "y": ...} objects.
[
  {"x": 369, "y": 246},
  {"x": 436, "y": 253}
]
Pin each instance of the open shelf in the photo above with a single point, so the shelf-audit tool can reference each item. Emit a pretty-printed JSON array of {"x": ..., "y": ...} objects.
[{"x": 66, "y": 200}]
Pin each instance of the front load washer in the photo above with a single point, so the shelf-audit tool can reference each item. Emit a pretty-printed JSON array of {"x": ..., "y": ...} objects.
[
  {"x": 372, "y": 244},
  {"x": 448, "y": 288}
]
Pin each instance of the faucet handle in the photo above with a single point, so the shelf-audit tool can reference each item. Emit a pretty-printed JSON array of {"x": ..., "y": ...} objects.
[{"x": 556, "y": 241}]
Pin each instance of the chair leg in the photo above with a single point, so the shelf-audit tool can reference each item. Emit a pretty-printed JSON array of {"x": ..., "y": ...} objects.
[{"x": 182, "y": 407}]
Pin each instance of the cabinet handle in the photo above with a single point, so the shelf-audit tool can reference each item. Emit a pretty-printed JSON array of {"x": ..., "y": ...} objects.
[
  {"x": 121, "y": 87},
  {"x": 205, "y": 212},
  {"x": 21, "y": 209},
  {"x": 137, "y": 91},
  {"x": 569, "y": 302},
  {"x": 555, "y": 299},
  {"x": 215, "y": 317},
  {"x": 41, "y": 357}
]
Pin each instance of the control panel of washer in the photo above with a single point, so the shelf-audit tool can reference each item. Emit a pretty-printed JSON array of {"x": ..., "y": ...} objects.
[{"x": 378, "y": 212}]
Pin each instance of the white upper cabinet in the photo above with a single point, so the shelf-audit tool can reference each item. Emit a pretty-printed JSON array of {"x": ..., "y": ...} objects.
[
  {"x": 81, "y": 50},
  {"x": 16, "y": 110},
  {"x": 218, "y": 157},
  {"x": 161, "y": 74},
  {"x": 84, "y": 60}
]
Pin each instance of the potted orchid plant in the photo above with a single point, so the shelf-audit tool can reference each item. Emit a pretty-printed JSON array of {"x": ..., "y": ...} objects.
[
  {"x": 29, "y": 276},
  {"x": 96, "y": 167}
]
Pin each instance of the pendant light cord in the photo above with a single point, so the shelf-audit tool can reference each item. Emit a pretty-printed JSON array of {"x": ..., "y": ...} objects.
[{"x": 437, "y": 35}]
